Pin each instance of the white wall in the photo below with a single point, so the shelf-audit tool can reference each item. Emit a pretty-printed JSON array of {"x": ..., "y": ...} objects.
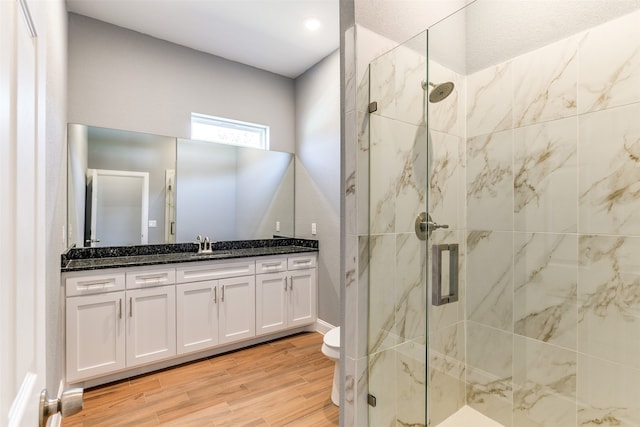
[
  {"x": 51, "y": 20},
  {"x": 318, "y": 175},
  {"x": 77, "y": 164},
  {"x": 122, "y": 79}
]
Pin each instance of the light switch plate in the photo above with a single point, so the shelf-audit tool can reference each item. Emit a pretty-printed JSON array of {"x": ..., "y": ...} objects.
[
  {"x": 152, "y": 223},
  {"x": 314, "y": 229}
]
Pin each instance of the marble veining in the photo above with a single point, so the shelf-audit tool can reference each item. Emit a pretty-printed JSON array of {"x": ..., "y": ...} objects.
[
  {"x": 411, "y": 183},
  {"x": 410, "y": 310},
  {"x": 607, "y": 393},
  {"x": 382, "y": 384},
  {"x": 547, "y": 83},
  {"x": 382, "y": 290},
  {"x": 609, "y": 176},
  {"x": 489, "y": 100},
  {"x": 545, "y": 283},
  {"x": 545, "y": 177},
  {"x": 609, "y": 65},
  {"x": 609, "y": 298},
  {"x": 490, "y": 290},
  {"x": 544, "y": 384},
  {"x": 411, "y": 384},
  {"x": 490, "y": 182},
  {"x": 446, "y": 172},
  {"x": 613, "y": 290}
]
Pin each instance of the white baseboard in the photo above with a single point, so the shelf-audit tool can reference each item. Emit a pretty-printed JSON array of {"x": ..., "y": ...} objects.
[{"x": 323, "y": 327}]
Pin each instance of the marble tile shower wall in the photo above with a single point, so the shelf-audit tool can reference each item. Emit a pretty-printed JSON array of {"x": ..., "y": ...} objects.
[
  {"x": 553, "y": 239},
  {"x": 360, "y": 46}
]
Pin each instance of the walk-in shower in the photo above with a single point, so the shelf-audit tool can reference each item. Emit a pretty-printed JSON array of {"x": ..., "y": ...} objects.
[{"x": 544, "y": 224}]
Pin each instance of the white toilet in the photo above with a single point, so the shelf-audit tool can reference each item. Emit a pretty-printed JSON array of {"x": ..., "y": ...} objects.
[{"x": 331, "y": 349}]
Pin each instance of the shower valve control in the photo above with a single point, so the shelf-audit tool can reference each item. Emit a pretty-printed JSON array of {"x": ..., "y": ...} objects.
[{"x": 425, "y": 225}]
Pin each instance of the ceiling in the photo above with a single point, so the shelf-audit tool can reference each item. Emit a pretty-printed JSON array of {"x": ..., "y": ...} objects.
[{"x": 266, "y": 34}]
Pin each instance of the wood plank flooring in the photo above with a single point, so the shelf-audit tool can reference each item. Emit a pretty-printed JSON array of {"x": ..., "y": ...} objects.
[{"x": 286, "y": 382}]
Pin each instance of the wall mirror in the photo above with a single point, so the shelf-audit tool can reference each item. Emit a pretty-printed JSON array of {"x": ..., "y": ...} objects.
[{"x": 129, "y": 188}]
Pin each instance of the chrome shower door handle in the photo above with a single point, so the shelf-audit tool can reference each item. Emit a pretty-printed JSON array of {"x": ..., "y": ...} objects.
[{"x": 451, "y": 295}]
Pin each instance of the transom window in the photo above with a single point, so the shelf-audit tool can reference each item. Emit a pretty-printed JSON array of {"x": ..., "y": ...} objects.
[{"x": 227, "y": 131}]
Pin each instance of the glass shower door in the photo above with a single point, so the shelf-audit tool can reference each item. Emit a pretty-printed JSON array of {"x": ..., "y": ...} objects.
[
  {"x": 416, "y": 240},
  {"x": 397, "y": 257}
]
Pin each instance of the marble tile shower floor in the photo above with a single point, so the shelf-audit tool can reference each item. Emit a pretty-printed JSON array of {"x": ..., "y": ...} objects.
[{"x": 469, "y": 417}]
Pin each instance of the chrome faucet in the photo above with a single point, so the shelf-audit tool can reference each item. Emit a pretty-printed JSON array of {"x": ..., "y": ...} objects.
[{"x": 204, "y": 246}]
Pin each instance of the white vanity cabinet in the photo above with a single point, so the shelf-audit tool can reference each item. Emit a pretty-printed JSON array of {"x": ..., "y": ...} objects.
[
  {"x": 95, "y": 335},
  {"x": 216, "y": 304},
  {"x": 150, "y": 325},
  {"x": 117, "y": 319},
  {"x": 285, "y": 293},
  {"x": 136, "y": 319}
]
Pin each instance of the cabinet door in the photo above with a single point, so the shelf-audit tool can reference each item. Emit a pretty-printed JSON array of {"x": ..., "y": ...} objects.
[
  {"x": 95, "y": 335},
  {"x": 237, "y": 309},
  {"x": 151, "y": 325},
  {"x": 302, "y": 297},
  {"x": 197, "y": 316},
  {"x": 271, "y": 299}
]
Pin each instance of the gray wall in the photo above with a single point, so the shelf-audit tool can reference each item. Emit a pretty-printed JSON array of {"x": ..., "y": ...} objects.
[
  {"x": 122, "y": 79},
  {"x": 205, "y": 191},
  {"x": 318, "y": 175}
]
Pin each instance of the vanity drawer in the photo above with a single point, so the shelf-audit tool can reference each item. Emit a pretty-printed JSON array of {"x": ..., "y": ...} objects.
[
  {"x": 271, "y": 265},
  {"x": 148, "y": 278},
  {"x": 87, "y": 284},
  {"x": 215, "y": 270},
  {"x": 300, "y": 262}
]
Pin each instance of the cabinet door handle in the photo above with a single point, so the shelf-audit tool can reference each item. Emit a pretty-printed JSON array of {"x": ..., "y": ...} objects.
[
  {"x": 120, "y": 308},
  {"x": 215, "y": 294},
  {"x": 290, "y": 283},
  {"x": 130, "y": 306},
  {"x": 222, "y": 296},
  {"x": 284, "y": 279}
]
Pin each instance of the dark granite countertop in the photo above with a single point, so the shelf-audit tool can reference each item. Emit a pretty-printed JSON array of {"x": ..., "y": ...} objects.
[{"x": 78, "y": 259}]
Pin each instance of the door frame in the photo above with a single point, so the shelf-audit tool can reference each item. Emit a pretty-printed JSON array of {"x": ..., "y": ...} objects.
[{"x": 93, "y": 179}]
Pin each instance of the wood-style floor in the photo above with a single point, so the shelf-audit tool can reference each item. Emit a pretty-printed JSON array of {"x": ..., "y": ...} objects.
[{"x": 286, "y": 382}]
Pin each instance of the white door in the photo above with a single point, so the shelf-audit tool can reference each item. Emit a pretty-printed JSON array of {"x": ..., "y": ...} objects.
[
  {"x": 119, "y": 211},
  {"x": 22, "y": 255}
]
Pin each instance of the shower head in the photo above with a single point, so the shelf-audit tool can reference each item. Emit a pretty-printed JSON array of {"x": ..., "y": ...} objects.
[{"x": 439, "y": 91}]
